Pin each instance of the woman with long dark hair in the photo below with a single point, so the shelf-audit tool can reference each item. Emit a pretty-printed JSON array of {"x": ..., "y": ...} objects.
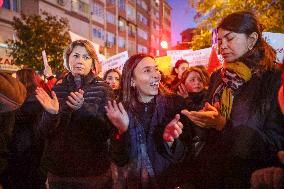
[
  {"x": 243, "y": 116},
  {"x": 148, "y": 124}
]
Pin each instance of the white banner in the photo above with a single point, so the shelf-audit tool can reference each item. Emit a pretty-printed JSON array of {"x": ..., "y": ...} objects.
[
  {"x": 276, "y": 40},
  {"x": 176, "y": 55},
  {"x": 115, "y": 62},
  {"x": 198, "y": 57}
]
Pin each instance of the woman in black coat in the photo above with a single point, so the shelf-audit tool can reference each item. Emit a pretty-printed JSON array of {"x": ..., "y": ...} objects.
[
  {"x": 75, "y": 125},
  {"x": 243, "y": 117},
  {"x": 147, "y": 127}
]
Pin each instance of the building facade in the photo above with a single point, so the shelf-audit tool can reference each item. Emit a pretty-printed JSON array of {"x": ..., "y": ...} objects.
[{"x": 137, "y": 26}]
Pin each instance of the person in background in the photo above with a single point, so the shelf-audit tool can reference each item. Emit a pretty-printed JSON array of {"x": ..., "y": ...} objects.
[
  {"x": 180, "y": 66},
  {"x": 243, "y": 117},
  {"x": 148, "y": 124},
  {"x": 12, "y": 95},
  {"x": 113, "y": 77},
  {"x": 74, "y": 124},
  {"x": 27, "y": 144}
]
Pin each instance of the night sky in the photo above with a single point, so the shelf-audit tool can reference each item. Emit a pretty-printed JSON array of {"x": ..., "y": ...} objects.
[{"x": 182, "y": 18}]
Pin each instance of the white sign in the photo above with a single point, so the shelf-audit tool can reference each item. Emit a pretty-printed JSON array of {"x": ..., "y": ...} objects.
[
  {"x": 43, "y": 53},
  {"x": 176, "y": 55},
  {"x": 198, "y": 57},
  {"x": 115, "y": 62},
  {"x": 276, "y": 40}
]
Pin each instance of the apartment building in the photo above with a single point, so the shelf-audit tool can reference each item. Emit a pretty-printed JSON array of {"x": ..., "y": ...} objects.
[{"x": 137, "y": 26}]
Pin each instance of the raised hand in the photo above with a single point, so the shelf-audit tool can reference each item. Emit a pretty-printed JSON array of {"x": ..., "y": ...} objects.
[
  {"x": 118, "y": 116},
  {"x": 173, "y": 129},
  {"x": 75, "y": 100},
  {"x": 182, "y": 91},
  {"x": 51, "y": 105},
  {"x": 208, "y": 117},
  {"x": 267, "y": 178}
]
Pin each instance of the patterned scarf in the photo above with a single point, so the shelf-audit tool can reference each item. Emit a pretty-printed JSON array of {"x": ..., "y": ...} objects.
[{"x": 234, "y": 75}]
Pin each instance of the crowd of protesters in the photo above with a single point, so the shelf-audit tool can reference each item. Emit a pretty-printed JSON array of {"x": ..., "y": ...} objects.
[{"x": 127, "y": 131}]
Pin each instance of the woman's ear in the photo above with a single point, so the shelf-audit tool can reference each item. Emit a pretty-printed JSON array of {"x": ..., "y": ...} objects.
[{"x": 252, "y": 39}]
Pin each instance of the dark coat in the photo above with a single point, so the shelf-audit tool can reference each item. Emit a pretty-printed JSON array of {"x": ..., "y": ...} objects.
[
  {"x": 77, "y": 140},
  {"x": 127, "y": 150},
  {"x": 251, "y": 137},
  {"x": 26, "y": 147}
]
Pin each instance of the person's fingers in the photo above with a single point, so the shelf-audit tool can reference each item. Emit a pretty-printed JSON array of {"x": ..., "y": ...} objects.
[
  {"x": 186, "y": 113},
  {"x": 277, "y": 177},
  {"x": 75, "y": 96},
  {"x": 110, "y": 107},
  {"x": 180, "y": 124},
  {"x": 72, "y": 100},
  {"x": 81, "y": 91},
  {"x": 121, "y": 108},
  {"x": 115, "y": 107},
  {"x": 268, "y": 177},
  {"x": 79, "y": 96},
  {"x": 71, "y": 105},
  {"x": 254, "y": 180},
  {"x": 217, "y": 105}
]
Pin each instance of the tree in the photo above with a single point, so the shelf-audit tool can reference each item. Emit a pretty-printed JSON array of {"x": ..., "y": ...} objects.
[
  {"x": 209, "y": 13},
  {"x": 36, "y": 33}
]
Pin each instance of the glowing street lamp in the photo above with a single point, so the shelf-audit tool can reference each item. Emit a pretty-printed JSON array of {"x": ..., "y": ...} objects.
[{"x": 164, "y": 44}]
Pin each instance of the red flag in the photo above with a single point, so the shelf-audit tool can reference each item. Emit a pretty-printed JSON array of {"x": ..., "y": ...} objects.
[
  {"x": 1, "y": 3},
  {"x": 214, "y": 62}
]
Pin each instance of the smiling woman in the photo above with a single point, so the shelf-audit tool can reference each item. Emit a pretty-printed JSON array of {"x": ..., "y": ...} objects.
[{"x": 148, "y": 127}]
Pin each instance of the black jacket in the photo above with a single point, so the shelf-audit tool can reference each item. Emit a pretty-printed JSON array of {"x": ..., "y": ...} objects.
[
  {"x": 250, "y": 139},
  {"x": 127, "y": 150},
  {"x": 26, "y": 147},
  {"x": 77, "y": 140}
]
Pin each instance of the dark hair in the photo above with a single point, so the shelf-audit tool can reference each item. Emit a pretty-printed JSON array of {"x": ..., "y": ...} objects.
[
  {"x": 177, "y": 64},
  {"x": 129, "y": 92},
  {"x": 202, "y": 75},
  {"x": 83, "y": 43},
  {"x": 262, "y": 56},
  {"x": 112, "y": 70},
  {"x": 28, "y": 77}
]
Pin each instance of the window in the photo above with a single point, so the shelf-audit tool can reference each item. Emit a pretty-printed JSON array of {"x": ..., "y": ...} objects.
[
  {"x": 142, "y": 4},
  {"x": 142, "y": 49},
  {"x": 110, "y": 2},
  {"x": 131, "y": 30},
  {"x": 121, "y": 24},
  {"x": 110, "y": 18},
  {"x": 98, "y": 32},
  {"x": 121, "y": 42},
  {"x": 121, "y": 5},
  {"x": 80, "y": 7},
  {"x": 142, "y": 34},
  {"x": 131, "y": 46},
  {"x": 110, "y": 40},
  {"x": 156, "y": 26},
  {"x": 98, "y": 10},
  {"x": 130, "y": 12},
  {"x": 12, "y": 5},
  {"x": 142, "y": 18}
]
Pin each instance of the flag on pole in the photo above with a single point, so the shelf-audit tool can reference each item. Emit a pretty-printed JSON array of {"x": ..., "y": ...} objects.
[{"x": 214, "y": 62}]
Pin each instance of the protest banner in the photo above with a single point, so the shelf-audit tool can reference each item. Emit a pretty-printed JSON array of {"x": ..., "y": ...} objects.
[
  {"x": 276, "y": 40},
  {"x": 115, "y": 62},
  {"x": 176, "y": 55}
]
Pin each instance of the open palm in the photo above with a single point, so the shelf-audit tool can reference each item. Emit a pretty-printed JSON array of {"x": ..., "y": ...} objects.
[{"x": 51, "y": 105}]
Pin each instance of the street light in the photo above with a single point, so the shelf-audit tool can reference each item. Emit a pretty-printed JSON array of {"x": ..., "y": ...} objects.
[{"x": 164, "y": 44}]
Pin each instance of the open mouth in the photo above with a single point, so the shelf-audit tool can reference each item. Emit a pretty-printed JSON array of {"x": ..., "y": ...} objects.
[{"x": 155, "y": 84}]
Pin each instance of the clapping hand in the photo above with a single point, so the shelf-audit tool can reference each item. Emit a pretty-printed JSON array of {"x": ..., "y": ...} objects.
[
  {"x": 173, "y": 129},
  {"x": 208, "y": 117},
  {"x": 118, "y": 116},
  {"x": 51, "y": 105},
  {"x": 182, "y": 91},
  {"x": 75, "y": 100},
  {"x": 267, "y": 178}
]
